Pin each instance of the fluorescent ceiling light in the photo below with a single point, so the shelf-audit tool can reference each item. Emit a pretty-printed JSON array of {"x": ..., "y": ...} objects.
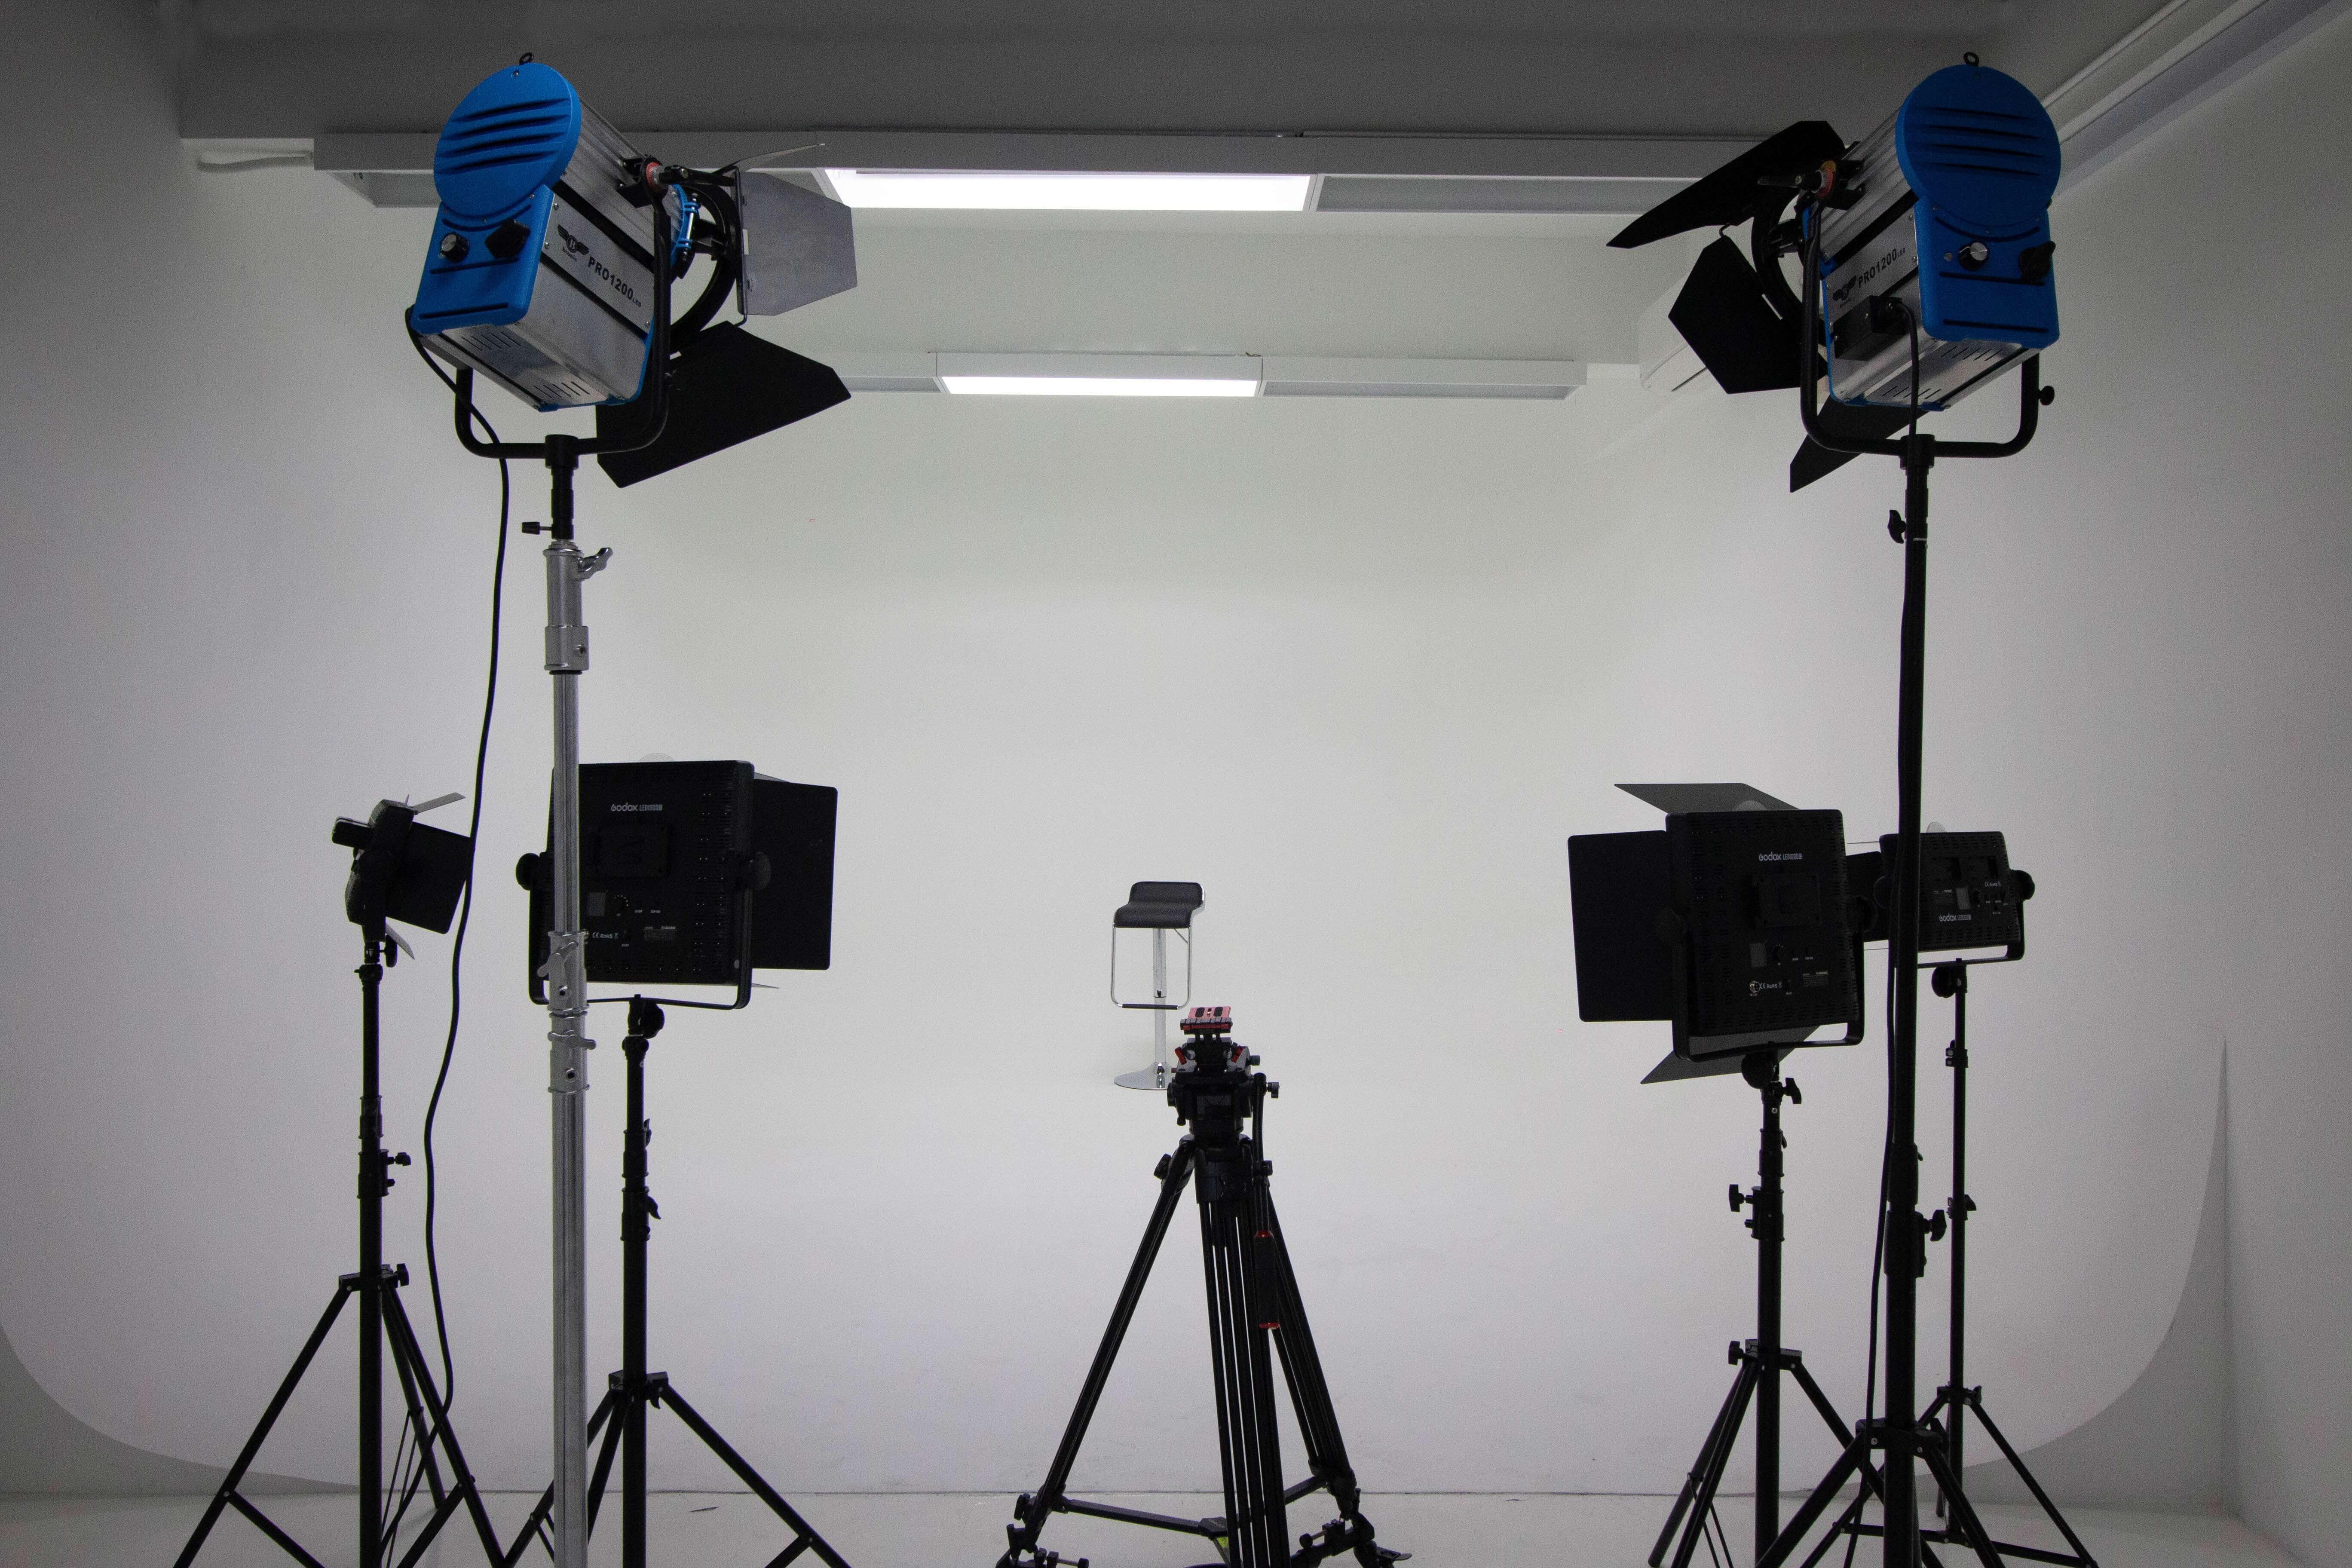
[
  {"x": 1095, "y": 386},
  {"x": 1099, "y": 375},
  {"x": 1017, "y": 191}
]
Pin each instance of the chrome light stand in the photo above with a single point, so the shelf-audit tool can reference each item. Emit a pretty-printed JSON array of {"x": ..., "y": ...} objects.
[{"x": 566, "y": 970}]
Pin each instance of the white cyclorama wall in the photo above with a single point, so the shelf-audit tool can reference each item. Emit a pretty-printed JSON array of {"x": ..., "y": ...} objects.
[{"x": 1359, "y": 667}]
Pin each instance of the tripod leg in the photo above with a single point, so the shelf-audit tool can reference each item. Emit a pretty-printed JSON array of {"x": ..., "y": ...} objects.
[
  {"x": 1846, "y": 1523},
  {"x": 1936, "y": 1407},
  {"x": 2018, "y": 1464},
  {"x": 1259, "y": 1317},
  {"x": 424, "y": 1434},
  {"x": 1319, "y": 1419},
  {"x": 1036, "y": 1507},
  {"x": 409, "y": 1353},
  {"x": 604, "y": 1471},
  {"x": 1836, "y": 1423},
  {"x": 227, "y": 1493},
  {"x": 1855, "y": 1457},
  {"x": 1821, "y": 1402},
  {"x": 1963, "y": 1512},
  {"x": 1726, "y": 1421},
  {"x": 1233, "y": 1450},
  {"x": 1849, "y": 1521},
  {"x": 668, "y": 1395},
  {"x": 268, "y": 1527},
  {"x": 1302, "y": 1368},
  {"x": 1240, "y": 1313},
  {"x": 1726, "y": 1437}
]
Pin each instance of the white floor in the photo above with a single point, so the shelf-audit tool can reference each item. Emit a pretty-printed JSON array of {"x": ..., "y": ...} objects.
[{"x": 967, "y": 1530}]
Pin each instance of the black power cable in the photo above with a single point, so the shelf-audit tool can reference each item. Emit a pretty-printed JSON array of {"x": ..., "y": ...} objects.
[{"x": 466, "y": 908}]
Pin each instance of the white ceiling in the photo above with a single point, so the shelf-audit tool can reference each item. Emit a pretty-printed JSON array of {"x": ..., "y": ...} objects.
[
  {"x": 1400, "y": 108},
  {"x": 1460, "y": 68}
]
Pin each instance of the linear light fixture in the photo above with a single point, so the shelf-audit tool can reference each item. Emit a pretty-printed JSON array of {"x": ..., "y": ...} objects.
[
  {"x": 1004, "y": 191},
  {"x": 1099, "y": 375},
  {"x": 1212, "y": 375}
]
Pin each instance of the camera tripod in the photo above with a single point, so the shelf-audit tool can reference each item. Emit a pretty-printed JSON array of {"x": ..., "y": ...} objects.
[
  {"x": 383, "y": 1321},
  {"x": 620, "y": 1417},
  {"x": 1254, "y": 1318},
  {"x": 1761, "y": 1360},
  {"x": 1954, "y": 1399}
]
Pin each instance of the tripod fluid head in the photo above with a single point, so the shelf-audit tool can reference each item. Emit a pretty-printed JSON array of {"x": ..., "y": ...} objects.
[{"x": 1216, "y": 1087}]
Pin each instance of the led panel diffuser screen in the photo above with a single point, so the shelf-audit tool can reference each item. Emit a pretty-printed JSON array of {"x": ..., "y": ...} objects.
[
  {"x": 1731, "y": 924},
  {"x": 1762, "y": 895}
]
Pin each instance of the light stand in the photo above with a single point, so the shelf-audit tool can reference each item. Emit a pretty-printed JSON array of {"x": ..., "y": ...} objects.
[
  {"x": 567, "y": 968},
  {"x": 1255, "y": 1321},
  {"x": 1955, "y": 1399},
  {"x": 380, "y": 861},
  {"x": 1761, "y": 1360},
  {"x": 1904, "y": 1437},
  {"x": 621, "y": 1416}
]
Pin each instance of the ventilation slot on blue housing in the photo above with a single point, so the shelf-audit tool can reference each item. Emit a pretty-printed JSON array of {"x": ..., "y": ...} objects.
[
  {"x": 525, "y": 133},
  {"x": 1950, "y": 144},
  {"x": 514, "y": 134}
]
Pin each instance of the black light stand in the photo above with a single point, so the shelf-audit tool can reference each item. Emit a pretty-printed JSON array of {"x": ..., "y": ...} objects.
[
  {"x": 381, "y": 844},
  {"x": 1256, "y": 1318},
  {"x": 1761, "y": 1360},
  {"x": 1903, "y": 1439},
  {"x": 621, "y": 1416},
  {"x": 1955, "y": 1399}
]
